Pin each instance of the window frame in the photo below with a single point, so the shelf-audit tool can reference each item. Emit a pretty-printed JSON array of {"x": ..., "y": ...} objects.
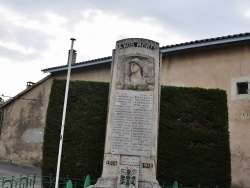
[{"x": 234, "y": 87}]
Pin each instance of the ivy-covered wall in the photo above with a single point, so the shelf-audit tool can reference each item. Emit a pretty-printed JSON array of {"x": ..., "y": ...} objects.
[{"x": 193, "y": 133}]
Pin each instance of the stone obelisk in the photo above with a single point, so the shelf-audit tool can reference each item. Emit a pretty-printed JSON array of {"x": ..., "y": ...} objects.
[{"x": 130, "y": 156}]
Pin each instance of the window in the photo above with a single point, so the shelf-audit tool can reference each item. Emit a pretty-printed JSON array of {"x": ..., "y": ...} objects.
[
  {"x": 240, "y": 87},
  {"x": 1, "y": 119}
]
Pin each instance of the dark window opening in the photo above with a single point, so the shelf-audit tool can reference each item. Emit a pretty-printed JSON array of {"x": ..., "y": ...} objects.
[
  {"x": 1, "y": 119},
  {"x": 242, "y": 88}
]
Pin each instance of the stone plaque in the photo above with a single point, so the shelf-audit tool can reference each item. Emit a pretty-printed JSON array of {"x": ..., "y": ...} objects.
[
  {"x": 130, "y": 160},
  {"x": 132, "y": 123},
  {"x": 128, "y": 176}
]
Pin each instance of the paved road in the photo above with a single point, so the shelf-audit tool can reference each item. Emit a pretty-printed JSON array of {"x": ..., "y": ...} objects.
[{"x": 8, "y": 169}]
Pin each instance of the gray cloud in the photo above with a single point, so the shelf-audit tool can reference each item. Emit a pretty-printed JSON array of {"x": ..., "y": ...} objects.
[
  {"x": 32, "y": 38},
  {"x": 16, "y": 55},
  {"x": 196, "y": 19},
  {"x": 25, "y": 37},
  {"x": 192, "y": 19}
]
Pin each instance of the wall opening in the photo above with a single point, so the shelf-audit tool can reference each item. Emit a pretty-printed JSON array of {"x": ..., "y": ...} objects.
[
  {"x": 1, "y": 119},
  {"x": 242, "y": 88}
]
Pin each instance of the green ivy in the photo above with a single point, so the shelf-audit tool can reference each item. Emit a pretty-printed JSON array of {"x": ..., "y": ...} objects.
[{"x": 193, "y": 133}]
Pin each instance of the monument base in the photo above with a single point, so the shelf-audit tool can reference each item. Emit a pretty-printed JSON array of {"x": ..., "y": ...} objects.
[
  {"x": 111, "y": 183},
  {"x": 105, "y": 183},
  {"x": 148, "y": 184}
]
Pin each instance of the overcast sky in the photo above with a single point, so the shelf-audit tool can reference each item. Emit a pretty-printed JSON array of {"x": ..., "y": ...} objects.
[{"x": 35, "y": 34}]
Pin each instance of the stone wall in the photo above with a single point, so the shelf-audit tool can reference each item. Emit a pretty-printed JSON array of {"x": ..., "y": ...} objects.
[{"x": 22, "y": 130}]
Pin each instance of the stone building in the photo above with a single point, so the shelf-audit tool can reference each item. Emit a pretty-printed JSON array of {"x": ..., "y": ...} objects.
[{"x": 222, "y": 62}]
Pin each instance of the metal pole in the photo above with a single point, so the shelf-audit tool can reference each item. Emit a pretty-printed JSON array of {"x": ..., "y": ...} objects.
[{"x": 64, "y": 113}]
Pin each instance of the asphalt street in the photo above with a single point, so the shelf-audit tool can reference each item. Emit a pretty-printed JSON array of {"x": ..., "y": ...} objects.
[{"x": 8, "y": 169}]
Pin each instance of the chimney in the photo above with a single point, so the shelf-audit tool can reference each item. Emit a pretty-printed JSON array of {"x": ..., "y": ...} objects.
[
  {"x": 73, "y": 57},
  {"x": 29, "y": 84}
]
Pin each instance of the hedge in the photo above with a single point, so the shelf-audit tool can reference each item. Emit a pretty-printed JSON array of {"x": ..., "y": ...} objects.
[{"x": 194, "y": 139}]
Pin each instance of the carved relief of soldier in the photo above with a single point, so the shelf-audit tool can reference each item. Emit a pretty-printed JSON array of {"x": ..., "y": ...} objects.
[{"x": 135, "y": 77}]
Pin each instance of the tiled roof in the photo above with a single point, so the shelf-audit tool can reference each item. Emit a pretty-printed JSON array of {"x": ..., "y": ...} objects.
[
  {"x": 223, "y": 39},
  {"x": 82, "y": 64},
  {"x": 164, "y": 49}
]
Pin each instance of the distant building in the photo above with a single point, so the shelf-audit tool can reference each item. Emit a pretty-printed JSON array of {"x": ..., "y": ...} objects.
[{"x": 222, "y": 62}]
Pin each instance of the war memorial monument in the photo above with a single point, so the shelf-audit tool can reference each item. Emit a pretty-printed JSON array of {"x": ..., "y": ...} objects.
[{"x": 130, "y": 154}]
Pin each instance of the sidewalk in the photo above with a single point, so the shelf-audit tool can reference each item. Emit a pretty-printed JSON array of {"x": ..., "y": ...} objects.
[{"x": 8, "y": 169}]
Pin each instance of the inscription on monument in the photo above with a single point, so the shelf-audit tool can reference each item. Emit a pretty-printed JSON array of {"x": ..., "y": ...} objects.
[
  {"x": 132, "y": 123},
  {"x": 112, "y": 163},
  {"x": 138, "y": 43},
  {"x": 147, "y": 165},
  {"x": 130, "y": 160}
]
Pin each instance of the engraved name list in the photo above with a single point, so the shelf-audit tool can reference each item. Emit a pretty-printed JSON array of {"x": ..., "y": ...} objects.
[{"x": 132, "y": 123}]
